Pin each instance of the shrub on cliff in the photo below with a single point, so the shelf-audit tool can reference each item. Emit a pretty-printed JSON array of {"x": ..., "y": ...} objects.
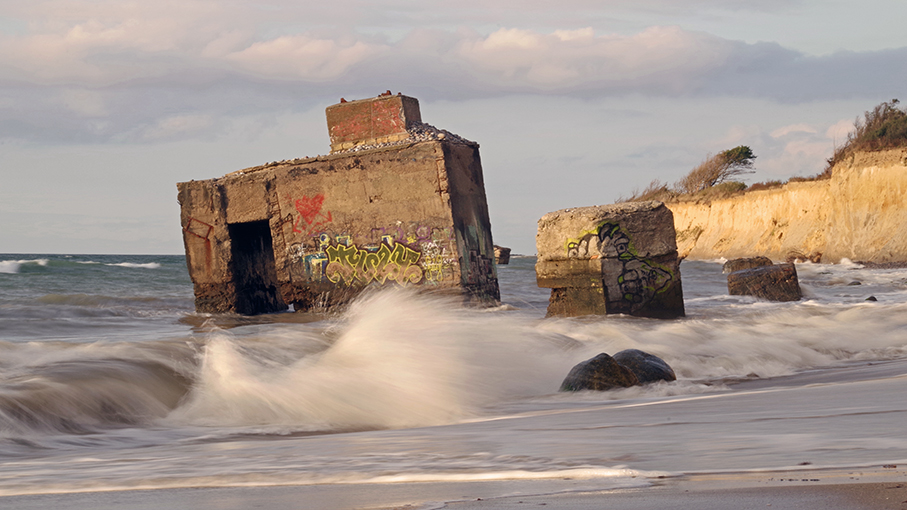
[
  {"x": 885, "y": 127},
  {"x": 756, "y": 186},
  {"x": 656, "y": 190},
  {"x": 709, "y": 180},
  {"x": 717, "y": 169}
]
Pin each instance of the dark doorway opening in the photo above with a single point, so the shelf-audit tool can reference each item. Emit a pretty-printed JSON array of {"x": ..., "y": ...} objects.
[{"x": 254, "y": 270}]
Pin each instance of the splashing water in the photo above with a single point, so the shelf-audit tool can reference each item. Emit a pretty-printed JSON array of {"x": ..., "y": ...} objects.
[{"x": 399, "y": 359}]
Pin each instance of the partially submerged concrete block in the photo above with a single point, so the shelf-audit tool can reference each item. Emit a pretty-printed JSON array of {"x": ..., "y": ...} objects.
[
  {"x": 745, "y": 263},
  {"x": 611, "y": 259},
  {"x": 775, "y": 283},
  {"x": 501, "y": 255},
  {"x": 316, "y": 231}
]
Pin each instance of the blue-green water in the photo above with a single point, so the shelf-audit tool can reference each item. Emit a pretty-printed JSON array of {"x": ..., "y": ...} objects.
[{"x": 92, "y": 297}]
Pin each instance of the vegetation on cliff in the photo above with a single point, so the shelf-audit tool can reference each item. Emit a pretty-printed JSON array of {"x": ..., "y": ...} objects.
[
  {"x": 711, "y": 177},
  {"x": 884, "y": 127},
  {"x": 718, "y": 169}
]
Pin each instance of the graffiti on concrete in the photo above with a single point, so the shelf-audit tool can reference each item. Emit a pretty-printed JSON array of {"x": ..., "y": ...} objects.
[
  {"x": 580, "y": 249},
  {"x": 201, "y": 230},
  {"x": 311, "y": 217},
  {"x": 436, "y": 244},
  {"x": 349, "y": 264},
  {"x": 481, "y": 270},
  {"x": 316, "y": 262},
  {"x": 401, "y": 254},
  {"x": 640, "y": 278}
]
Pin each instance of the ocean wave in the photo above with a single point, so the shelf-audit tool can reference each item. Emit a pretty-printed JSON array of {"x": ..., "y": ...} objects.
[
  {"x": 149, "y": 265},
  {"x": 73, "y": 390},
  {"x": 13, "y": 266},
  {"x": 763, "y": 339},
  {"x": 93, "y": 300},
  {"x": 399, "y": 359}
]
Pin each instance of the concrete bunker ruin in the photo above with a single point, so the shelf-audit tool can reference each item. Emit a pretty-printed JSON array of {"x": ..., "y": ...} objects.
[
  {"x": 612, "y": 259},
  {"x": 397, "y": 202}
]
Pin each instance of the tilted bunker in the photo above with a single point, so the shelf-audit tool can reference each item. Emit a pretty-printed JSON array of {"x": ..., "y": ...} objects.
[{"x": 396, "y": 202}]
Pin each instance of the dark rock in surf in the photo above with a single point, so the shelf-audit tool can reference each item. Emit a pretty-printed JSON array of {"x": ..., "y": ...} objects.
[
  {"x": 775, "y": 283},
  {"x": 647, "y": 368},
  {"x": 599, "y": 373},
  {"x": 745, "y": 263},
  {"x": 871, "y": 298}
]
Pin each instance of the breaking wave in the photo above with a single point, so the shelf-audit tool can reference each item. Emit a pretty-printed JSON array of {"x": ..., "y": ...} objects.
[
  {"x": 399, "y": 359},
  {"x": 149, "y": 265},
  {"x": 13, "y": 266},
  {"x": 87, "y": 388}
]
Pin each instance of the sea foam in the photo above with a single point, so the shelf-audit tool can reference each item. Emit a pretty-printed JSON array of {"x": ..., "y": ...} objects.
[
  {"x": 149, "y": 265},
  {"x": 13, "y": 266},
  {"x": 399, "y": 359}
]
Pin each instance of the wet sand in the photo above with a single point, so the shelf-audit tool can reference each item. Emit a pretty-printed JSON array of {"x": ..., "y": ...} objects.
[{"x": 846, "y": 489}]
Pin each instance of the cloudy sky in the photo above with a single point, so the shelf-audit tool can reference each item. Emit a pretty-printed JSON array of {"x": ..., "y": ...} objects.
[{"x": 106, "y": 104}]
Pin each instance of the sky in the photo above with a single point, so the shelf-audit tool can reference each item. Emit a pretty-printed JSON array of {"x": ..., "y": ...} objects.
[{"x": 106, "y": 104}]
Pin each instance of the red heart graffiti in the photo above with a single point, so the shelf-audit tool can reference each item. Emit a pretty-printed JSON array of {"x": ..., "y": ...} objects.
[{"x": 309, "y": 207}]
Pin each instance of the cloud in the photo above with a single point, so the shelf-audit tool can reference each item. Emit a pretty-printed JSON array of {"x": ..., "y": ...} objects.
[
  {"x": 793, "y": 128},
  {"x": 303, "y": 57},
  {"x": 96, "y": 70},
  {"x": 661, "y": 59},
  {"x": 838, "y": 132},
  {"x": 178, "y": 126}
]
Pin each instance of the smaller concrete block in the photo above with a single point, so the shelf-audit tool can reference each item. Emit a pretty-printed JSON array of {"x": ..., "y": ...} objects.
[
  {"x": 374, "y": 120},
  {"x": 577, "y": 301},
  {"x": 775, "y": 283},
  {"x": 624, "y": 255},
  {"x": 576, "y": 233},
  {"x": 745, "y": 263},
  {"x": 568, "y": 273},
  {"x": 501, "y": 255}
]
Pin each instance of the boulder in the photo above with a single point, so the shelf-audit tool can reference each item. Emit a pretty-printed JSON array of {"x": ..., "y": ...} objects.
[
  {"x": 614, "y": 259},
  {"x": 599, "y": 373},
  {"x": 646, "y": 367},
  {"x": 775, "y": 283},
  {"x": 745, "y": 263}
]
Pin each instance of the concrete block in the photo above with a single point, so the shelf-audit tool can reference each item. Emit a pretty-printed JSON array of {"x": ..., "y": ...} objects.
[
  {"x": 315, "y": 232},
  {"x": 382, "y": 119},
  {"x": 619, "y": 258},
  {"x": 745, "y": 263},
  {"x": 774, "y": 283},
  {"x": 501, "y": 255}
]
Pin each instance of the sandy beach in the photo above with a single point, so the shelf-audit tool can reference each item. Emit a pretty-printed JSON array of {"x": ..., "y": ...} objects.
[{"x": 866, "y": 489}]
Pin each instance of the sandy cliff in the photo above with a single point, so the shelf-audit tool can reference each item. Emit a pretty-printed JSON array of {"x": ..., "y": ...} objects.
[{"x": 859, "y": 214}]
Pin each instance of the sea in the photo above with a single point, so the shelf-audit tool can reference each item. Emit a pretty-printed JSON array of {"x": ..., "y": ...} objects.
[{"x": 109, "y": 380}]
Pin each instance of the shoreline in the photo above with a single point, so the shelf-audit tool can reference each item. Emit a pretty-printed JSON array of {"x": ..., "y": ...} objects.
[{"x": 877, "y": 487}]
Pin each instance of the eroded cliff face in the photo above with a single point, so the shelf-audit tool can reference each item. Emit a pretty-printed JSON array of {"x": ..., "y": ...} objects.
[{"x": 859, "y": 214}]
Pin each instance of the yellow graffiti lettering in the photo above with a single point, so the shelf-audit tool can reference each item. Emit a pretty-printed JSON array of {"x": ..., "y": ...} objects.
[{"x": 351, "y": 264}]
